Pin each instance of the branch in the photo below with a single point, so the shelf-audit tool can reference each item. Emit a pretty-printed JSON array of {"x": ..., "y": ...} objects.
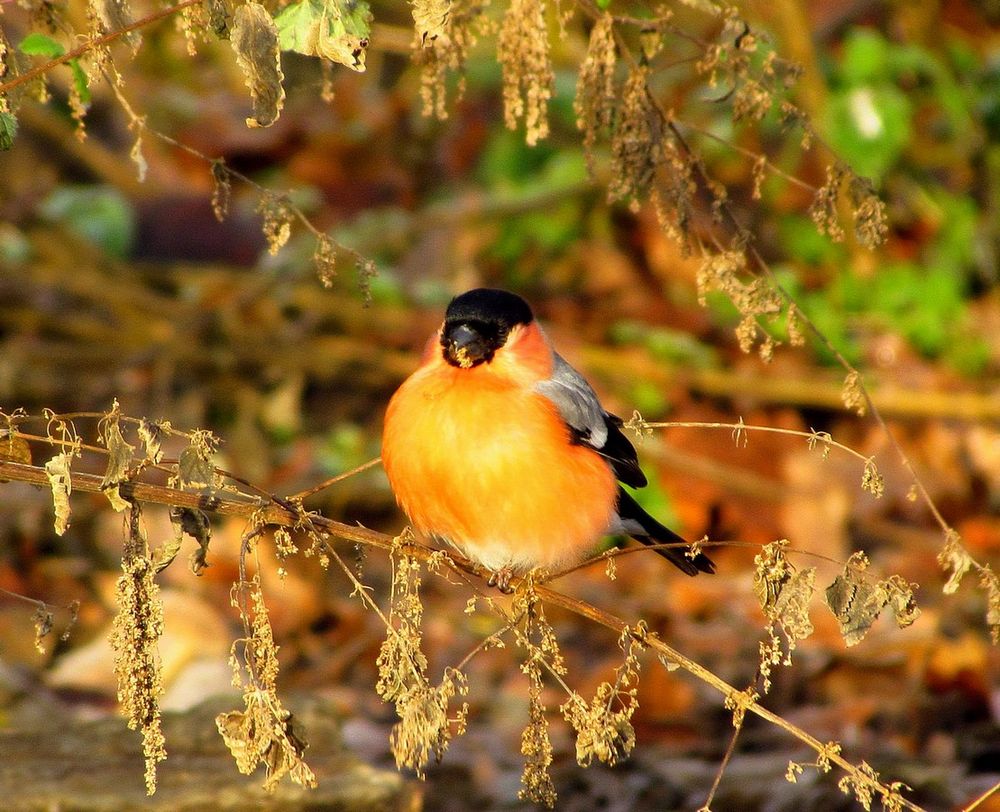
[
  {"x": 80, "y": 50},
  {"x": 240, "y": 505}
]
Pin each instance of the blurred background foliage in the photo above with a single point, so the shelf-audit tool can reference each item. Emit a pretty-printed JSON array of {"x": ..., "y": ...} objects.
[{"x": 115, "y": 288}]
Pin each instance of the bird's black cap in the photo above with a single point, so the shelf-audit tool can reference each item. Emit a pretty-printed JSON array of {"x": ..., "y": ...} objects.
[
  {"x": 477, "y": 324},
  {"x": 490, "y": 306}
]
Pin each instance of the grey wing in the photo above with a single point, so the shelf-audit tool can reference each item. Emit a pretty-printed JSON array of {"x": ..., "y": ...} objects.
[{"x": 588, "y": 422}]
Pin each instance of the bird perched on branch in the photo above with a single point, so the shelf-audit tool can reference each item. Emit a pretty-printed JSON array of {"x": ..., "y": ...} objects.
[{"x": 499, "y": 447}]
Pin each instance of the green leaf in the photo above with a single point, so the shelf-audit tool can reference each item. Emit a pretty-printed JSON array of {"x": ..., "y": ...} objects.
[
  {"x": 337, "y": 30},
  {"x": 80, "y": 81},
  {"x": 864, "y": 58},
  {"x": 8, "y": 129},
  {"x": 99, "y": 214},
  {"x": 869, "y": 127},
  {"x": 41, "y": 45}
]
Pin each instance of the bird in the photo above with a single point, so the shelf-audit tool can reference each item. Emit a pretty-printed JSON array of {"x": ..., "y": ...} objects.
[{"x": 498, "y": 447}]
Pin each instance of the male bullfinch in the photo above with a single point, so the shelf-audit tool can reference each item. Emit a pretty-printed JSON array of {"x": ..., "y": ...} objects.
[{"x": 498, "y": 446}]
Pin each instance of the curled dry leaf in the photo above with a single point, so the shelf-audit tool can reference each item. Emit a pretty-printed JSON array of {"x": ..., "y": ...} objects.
[
  {"x": 151, "y": 434},
  {"x": 856, "y": 600},
  {"x": 338, "y": 30},
  {"x": 195, "y": 468},
  {"x": 254, "y": 38},
  {"x": 119, "y": 459},
  {"x": 43, "y": 620},
  {"x": 61, "y": 482},
  {"x": 221, "y": 191},
  {"x": 262, "y": 735},
  {"x": 853, "y": 394},
  {"x": 954, "y": 558},
  {"x": 137, "y": 158},
  {"x": 193, "y": 523}
]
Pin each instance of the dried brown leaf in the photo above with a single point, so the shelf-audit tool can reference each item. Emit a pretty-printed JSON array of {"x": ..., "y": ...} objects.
[
  {"x": 119, "y": 451},
  {"x": 853, "y": 394},
  {"x": 193, "y": 523},
  {"x": 151, "y": 434},
  {"x": 222, "y": 189},
  {"x": 856, "y": 600},
  {"x": 61, "y": 481},
  {"x": 43, "y": 620},
  {"x": 277, "y": 224},
  {"x": 259, "y": 735},
  {"x": 195, "y": 469},
  {"x": 254, "y": 38},
  {"x": 954, "y": 558}
]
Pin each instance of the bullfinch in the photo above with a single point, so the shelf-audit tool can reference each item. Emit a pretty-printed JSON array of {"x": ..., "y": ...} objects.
[{"x": 497, "y": 446}]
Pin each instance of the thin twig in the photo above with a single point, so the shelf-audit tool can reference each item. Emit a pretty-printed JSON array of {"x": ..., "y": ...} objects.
[
  {"x": 726, "y": 758},
  {"x": 983, "y": 798},
  {"x": 88, "y": 45},
  {"x": 298, "y": 497}
]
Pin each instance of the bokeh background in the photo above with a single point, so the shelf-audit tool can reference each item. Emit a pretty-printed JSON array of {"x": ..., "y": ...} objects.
[{"x": 112, "y": 288}]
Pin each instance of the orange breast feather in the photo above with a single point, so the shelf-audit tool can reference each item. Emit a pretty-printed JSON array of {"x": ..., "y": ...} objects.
[{"x": 484, "y": 462}]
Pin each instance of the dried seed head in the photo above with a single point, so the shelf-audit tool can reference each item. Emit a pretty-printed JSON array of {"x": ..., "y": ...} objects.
[
  {"x": 637, "y": 144},
  {"x": 528, "y": 80},
  {"x": 595, "y": 100}
]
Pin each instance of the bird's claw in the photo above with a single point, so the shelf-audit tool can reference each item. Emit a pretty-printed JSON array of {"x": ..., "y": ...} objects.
[{"x": 501, "y": 579}]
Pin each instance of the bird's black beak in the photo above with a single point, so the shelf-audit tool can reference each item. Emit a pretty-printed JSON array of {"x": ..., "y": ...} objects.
[{"x": 465, "y": 347}]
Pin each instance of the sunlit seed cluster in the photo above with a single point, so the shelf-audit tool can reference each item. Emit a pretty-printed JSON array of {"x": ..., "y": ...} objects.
[
  {"x": 523, "y": 53},
  {"x": 595, "y": 101},
  {"x": 135, "y": 635}
]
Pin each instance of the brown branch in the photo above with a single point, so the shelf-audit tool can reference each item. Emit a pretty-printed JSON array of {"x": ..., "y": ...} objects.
[
  {"x": 80, "y": 50},
  {"x": 221, "y": 502}
]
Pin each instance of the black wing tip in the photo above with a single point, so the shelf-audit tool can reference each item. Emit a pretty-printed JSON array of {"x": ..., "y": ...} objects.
[
  {"x": 702, "y": 563},
  {"x": 656, "y": 533},
  {"x": 692, "y": 566},
  {"x": 620, "y": 451}
]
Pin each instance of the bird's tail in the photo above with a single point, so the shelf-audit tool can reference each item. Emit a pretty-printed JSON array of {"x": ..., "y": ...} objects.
[{"x": 646, "y": 530}]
